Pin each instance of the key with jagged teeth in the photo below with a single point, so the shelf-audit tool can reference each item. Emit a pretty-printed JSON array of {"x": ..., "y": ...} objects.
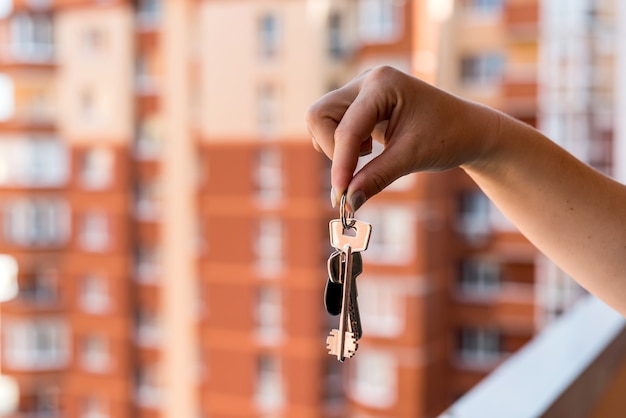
[
  {"x": 334, "y": 289},
  {"x": 342, "y": 342},
  {"x": 349, "y": 237}
]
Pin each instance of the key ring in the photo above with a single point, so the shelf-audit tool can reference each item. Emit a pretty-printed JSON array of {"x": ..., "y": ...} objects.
[{"x": 342, "y": 214}]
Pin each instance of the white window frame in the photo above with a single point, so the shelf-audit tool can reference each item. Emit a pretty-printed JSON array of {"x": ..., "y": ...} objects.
[
  {"x": 94, "y": 294},
  {"x": 380, "y": 21},
  {"x": 36, "y": 161},
  {"x": 270, "y": 391},
  {"x": 269, "y": 176},
  {"x": 395, "y": 241},
  {"x": 382, "y": 303},
  {"x": 95, "y": 231},
  {"x": 95, "y": 353},
  {"x": 374, "y": 381},
  {"x": 23, "y": 339},
  {"x": 479, "y": 277},
  {"x": 479, "y": 346},
  {"x": 148, "y": 392},
  {"x": 36, "y": 222},
  {"x": 269, "y": 36},
  {"x": 269, "y": 315},
  {"x": 96, "y": 168},
  {"x": 269, "y": 247}
]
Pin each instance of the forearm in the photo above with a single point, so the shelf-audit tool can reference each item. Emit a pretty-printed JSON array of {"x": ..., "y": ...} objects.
[{"x": 573, "y": 214}]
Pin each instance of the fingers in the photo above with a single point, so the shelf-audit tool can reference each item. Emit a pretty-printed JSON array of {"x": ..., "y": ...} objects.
[
  {"x": 342, "y": 124},
  {"x": 353, "y": 134},
  {"x": 377, "y": 175},
  {"x": 323, "y": 116}
]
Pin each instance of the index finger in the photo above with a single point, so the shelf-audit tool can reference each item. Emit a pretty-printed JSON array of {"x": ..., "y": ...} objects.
[{"x": 355, "y": 128}]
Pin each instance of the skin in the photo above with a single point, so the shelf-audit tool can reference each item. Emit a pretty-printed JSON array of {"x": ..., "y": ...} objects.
[{"x": 573, "y": 214}]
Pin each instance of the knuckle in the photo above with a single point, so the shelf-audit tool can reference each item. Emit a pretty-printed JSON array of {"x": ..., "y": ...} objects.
[
  {"x": 313, "y": 114},
  {"x": 380, "y": 180},
  {"x": 381, "y": 74}
]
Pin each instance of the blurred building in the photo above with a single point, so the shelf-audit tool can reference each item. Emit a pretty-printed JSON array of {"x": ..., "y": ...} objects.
[{"x": 169, "y": 215}]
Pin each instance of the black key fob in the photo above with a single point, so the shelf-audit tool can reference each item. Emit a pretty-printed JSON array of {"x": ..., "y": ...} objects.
[{"x": 333, "y": 295}]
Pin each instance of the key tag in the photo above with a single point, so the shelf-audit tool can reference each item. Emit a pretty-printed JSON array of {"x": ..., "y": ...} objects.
[{"x": 348, "y": 230}]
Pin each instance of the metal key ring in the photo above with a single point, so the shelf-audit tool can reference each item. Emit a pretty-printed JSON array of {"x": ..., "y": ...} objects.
[{"x": 342, "y": 214}]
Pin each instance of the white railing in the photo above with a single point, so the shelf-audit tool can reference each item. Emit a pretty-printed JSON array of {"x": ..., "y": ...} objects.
[{"x": 563, "y": 372}]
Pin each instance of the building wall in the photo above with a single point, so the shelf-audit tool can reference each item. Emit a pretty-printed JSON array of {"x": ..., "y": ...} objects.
[{"x": 242, "y": 278}]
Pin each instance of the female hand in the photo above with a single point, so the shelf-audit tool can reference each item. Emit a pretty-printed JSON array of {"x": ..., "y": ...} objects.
[{"x": 420, "y": 126}]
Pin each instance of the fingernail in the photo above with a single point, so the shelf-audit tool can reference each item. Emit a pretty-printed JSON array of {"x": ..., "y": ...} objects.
[
  {"x": 333, "y": 197},
  {"x": 356, "y": 200}
]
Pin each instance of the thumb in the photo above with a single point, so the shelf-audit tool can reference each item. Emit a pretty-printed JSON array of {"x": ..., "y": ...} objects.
[{"x": 376, "y": 176}]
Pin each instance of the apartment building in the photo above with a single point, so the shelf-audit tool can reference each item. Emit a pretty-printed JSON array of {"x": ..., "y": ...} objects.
[{"x": 169, "y": 215}]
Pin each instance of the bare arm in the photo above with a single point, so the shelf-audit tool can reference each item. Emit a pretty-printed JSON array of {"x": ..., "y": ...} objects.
[{"x": 573, "y": 214}]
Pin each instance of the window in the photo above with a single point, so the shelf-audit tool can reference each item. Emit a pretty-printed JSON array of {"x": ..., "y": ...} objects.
[
  {"x": 39, "y": 288},
  {"x": 479, "y": 277},
  {"x": 482, "y": 7},
  {"x": 149, "y": 138},
  {"x": 40, "y": 400},
  {"x": 33, "y": 162},
  {"x": 94, "y": 233},
  {"x": 268, "y": 36},
  {"x": 147, "y": 199},
  {"x": 269, "y": 247},
  {"x": 269, "y": 383},
  {"x": 94, "y": 356},
  {"x": 268, "y": 109},
  {"x": 382, "y": 306},
  {"x": 474, "y": 219},
  {"x": 93, "y": 294},
  {"x": 380, "y": 20},
  {"x": 34, "y": 102},
  {"x": 146, "y": 79},
  {"x": 149, "y": 13},
  {"x": 147, "y": 264},
  {"x": 31, "y": 37},
  {"x": 269, "y": 314},
  {"x": 269, "y": 179},
  {"x": 96, "y": 168},
  {"x": 35, "y": 344},
  {"x": 336, "y": 41},
  {"x": 478, "y": 346},
  {"x": 36, "y": 222},
  {"x": 92, "y": 407},
  {"x": 334, "y": 395},
  {"x": 394, "y": 242},
  {"x": 88, "y": 106},
  {"x": 375, "y": 378},
  {"x": 147, "y": 390},
  {"x": 147, "y": 327},
  {"x": 482, "y": 69}
]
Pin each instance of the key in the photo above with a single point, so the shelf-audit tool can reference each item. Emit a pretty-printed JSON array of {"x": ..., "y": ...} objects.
[
  {"x": 357, "y": 236},
  {"x": 335, "y": 265},
  {"x": 334, "y": 287},
  {"x": 341, "y": 342},
  {"x": 353, "y": 312}
]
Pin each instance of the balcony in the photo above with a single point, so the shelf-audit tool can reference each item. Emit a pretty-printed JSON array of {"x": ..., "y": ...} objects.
[
  {"x": 513, "y": 305},
  {"x": 576, "y": 367}
]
